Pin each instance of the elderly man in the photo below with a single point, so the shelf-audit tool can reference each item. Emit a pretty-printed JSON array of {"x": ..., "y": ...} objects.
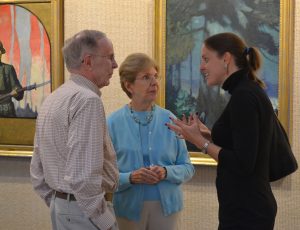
[
  {"x": 74, "y": 167},
  {"x": 9, "y": 85}
]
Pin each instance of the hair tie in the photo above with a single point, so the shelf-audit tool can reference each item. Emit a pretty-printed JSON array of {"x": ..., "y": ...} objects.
[{"x": 247, "y": 50}]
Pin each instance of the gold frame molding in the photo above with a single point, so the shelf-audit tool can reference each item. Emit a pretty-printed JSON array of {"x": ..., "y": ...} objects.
[
  {"x": 286, "y": 58},
  {"x": 20, "y": 132}
]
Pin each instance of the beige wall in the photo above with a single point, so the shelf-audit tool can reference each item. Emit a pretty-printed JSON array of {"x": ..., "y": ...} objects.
[{"x": 129, "y": 23}]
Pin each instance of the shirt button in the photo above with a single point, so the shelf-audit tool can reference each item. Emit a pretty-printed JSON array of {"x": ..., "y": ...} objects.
[
  {"x": 150, "y": 148},
  {"x": 150, "y": 133}
]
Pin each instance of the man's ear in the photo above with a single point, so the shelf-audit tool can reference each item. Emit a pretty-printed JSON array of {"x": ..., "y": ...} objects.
[{"x": 87, "y": 61}]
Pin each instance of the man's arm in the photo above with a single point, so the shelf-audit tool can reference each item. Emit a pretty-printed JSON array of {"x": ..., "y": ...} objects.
[
  {"x": 84, "y": 168},
  {"x": 37, "y": 176}
]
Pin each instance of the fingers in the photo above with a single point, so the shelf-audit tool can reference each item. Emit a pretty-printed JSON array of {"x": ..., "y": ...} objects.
[
  {"x": 182, "y": 128},
  {"x": 151, "y": 175},
  {"x": 177, "y": 121},
  {"x": 184, "y": 119},
  {"x": 178, "y": 126},
  {"x": 196, "y": 118},
  {"x": 191, "y": 119},
  {"x": 144, "y": 176},
  {"x": 174, "y": 127},
  {"x": 177, "y": 130},
  {"x": 160, "y": 171}
]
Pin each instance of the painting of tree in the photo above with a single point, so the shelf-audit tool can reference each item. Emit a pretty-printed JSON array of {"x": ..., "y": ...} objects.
[{"x": 188, "y": 23}]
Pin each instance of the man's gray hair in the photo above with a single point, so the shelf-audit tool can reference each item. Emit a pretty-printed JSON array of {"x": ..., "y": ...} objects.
[{"x": 77, "y": 46}]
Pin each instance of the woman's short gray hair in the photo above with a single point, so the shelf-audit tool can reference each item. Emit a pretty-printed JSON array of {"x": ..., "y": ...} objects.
[
  {"x": 132, "y": 65},
  {"x": 77, "y": 46}
]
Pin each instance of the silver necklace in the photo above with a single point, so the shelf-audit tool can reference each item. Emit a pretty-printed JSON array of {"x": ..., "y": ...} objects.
[{"x": 149, "y": 117}]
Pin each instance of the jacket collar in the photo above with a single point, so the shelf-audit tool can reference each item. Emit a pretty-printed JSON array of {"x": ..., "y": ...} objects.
[{"x": 234, "y": 79}]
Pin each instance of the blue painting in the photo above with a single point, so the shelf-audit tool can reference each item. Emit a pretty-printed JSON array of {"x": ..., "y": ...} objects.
[{"x": 188, "y": 23}]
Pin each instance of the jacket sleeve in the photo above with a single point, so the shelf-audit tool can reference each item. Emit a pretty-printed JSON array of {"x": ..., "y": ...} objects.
[
  {"x": 244, "y": 119},
  {"x": 84, "y": 168},
  {"x": 37, "y": 175},
  {"x": 182, "y": 170},
  {"x": 124, "y": 182}
]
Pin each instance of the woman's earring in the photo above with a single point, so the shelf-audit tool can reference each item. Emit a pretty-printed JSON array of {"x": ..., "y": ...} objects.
[{"x": 226, "y": 67}]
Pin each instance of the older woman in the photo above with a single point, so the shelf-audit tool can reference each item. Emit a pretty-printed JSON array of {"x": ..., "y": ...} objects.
[{"x": 153, "y": 162}]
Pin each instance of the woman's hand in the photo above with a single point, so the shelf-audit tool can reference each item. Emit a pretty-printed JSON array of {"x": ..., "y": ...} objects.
[
  {"x": 194, "y": 131},
  {"x": 191, "y": 129},
  {"x": 144, "y": 176},
  {"x": 160, "y": 171},
  {"x": 206, "y": 133}
]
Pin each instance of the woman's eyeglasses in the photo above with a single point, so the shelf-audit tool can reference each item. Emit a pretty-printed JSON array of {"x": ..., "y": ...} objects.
[{"x": 148, "y": 78}]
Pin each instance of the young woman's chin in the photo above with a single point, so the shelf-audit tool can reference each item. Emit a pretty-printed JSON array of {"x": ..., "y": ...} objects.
[
  {"x": 209, "y": 82},
  {"x": 212, "y": 82}
]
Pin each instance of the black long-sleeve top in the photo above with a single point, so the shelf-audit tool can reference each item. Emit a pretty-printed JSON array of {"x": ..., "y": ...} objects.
[{"x": 243, "y": 132}]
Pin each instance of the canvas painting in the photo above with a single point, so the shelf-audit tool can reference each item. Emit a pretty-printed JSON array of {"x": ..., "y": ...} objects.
[
  {"x": 27, "y": 50},
  {"x": 31, "y": 67},
  {"x": 182, "y": 26},
  {"x": 188, "y": 23}
]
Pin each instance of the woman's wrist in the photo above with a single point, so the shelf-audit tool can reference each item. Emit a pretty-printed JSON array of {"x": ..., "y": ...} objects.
[
  {"x": 130, "y": 178},
  {"x": 205, "y": 147},
  {"x": 166, "y": 172}
]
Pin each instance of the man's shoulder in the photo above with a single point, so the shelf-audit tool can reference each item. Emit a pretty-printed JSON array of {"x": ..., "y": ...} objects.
[
  {"x": 71, "y": 89},
  {"x": 68, "y": 100},
  {"x": 69, "y": 94}
]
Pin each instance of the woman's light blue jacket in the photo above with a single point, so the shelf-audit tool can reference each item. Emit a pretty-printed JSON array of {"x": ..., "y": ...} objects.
[{"x": 165, "y": 149}]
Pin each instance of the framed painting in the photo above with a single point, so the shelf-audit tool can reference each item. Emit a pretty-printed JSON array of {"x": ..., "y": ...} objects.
[
  {"x": 31, "y": 66},
  {"x": 182, "y": 26}
]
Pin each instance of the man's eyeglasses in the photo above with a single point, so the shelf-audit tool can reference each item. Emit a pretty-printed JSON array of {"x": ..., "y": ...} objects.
[
  {"x": 111, "y": 57},
  {"x": 148, "y": 78}
]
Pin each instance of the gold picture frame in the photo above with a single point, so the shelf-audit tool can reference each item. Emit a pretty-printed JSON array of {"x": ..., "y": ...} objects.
[
  {"x": 17, "y": 134},
  {"x": 285, "y": 66}
]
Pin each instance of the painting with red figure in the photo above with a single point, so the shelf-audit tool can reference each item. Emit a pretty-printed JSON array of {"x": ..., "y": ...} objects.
[{"x": 25, "y": 62}]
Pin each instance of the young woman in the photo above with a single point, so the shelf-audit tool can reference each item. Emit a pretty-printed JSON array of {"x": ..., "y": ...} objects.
[{"x": 240, "y": 139}]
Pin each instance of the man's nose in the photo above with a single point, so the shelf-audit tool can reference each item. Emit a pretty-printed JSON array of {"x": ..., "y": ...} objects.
[{"x": 115, "y": 64}]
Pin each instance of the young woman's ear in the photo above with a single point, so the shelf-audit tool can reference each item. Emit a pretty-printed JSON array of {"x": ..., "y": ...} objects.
[{"x": 227, "y": 58}]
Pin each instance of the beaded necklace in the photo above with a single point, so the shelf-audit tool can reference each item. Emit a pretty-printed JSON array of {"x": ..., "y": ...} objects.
[{"x": 149, "y": 117}]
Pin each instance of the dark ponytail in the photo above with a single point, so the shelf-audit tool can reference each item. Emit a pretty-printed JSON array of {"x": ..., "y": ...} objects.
[{"x": 253, "y": 60}]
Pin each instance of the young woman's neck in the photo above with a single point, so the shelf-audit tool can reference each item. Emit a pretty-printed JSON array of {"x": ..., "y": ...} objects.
[{"x": 231, "y": 69}]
